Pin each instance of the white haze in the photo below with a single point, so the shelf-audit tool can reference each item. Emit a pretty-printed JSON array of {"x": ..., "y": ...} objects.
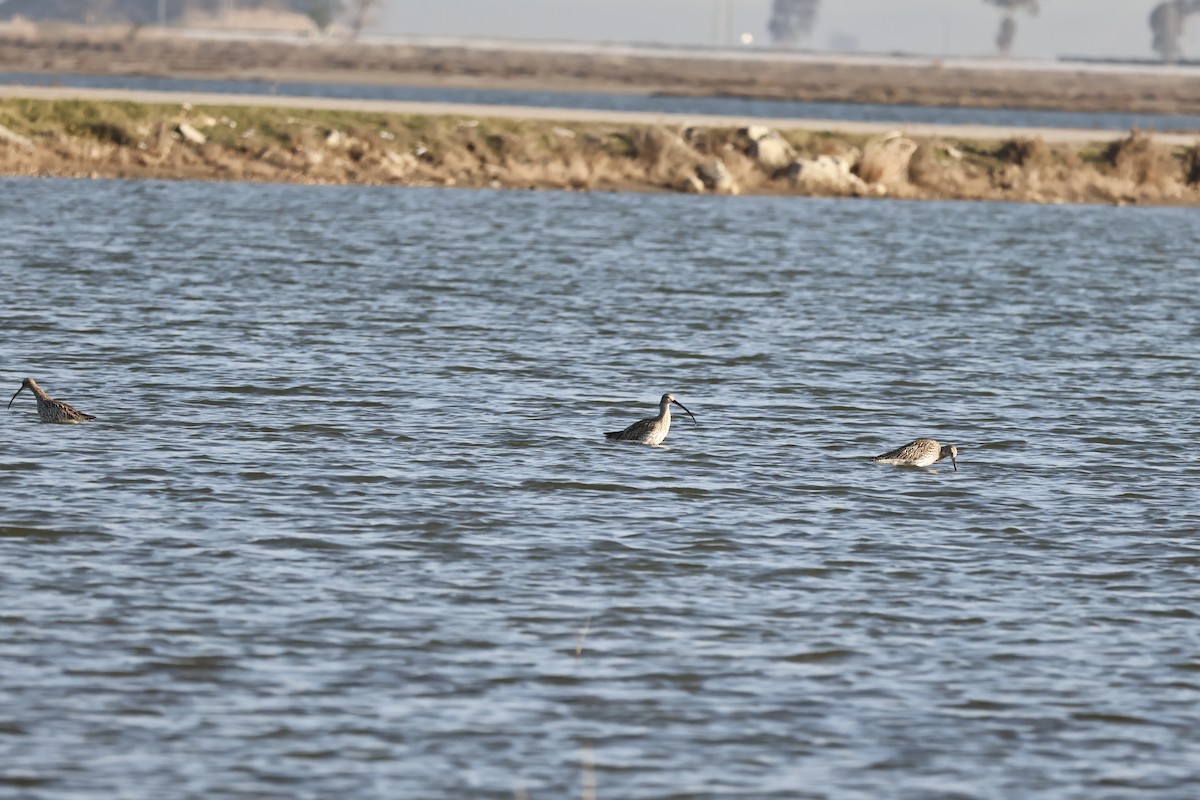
[{"x": 933, "y": 27}]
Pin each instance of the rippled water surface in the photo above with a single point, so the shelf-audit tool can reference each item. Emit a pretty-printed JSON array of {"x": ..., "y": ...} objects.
[
  {"x": 723, "y": 106},
  {"x": 347, "y": 526}
]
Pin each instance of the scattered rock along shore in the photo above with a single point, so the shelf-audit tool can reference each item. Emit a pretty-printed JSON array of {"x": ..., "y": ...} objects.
[{"x": 112, "y": 139}]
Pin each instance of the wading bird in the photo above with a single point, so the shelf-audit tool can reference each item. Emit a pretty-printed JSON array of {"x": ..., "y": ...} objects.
[
  {"x": 49, "y": 409},
  {"x": 920, "y": 453},
  {"x": 651, "y": 431}
]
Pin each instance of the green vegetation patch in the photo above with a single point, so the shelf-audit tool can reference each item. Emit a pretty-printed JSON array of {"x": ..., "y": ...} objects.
[{"x": 108, "y": 121}]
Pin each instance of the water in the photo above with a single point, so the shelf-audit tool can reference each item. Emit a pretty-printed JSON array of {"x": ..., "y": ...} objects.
[
  {"x": 347, "y": 513},
  {"x": 721, "y": 106}
]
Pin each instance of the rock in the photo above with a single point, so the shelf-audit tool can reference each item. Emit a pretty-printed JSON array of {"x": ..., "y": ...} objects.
[
  {"x": 15, "y": 139},
  {"x": 756, "y": 132},
  {"x": 825, "y": 174},
  {"x": 885, "y": 160},
  {"x": 773, "y": 152},
  {"x": 399, "y": 165},
  {"x": 768, "y": 147},
  {"x": 275, "y": 157},
  {"x": 190, "y": 134},
  {"x": 692, "y": 185},
  {"x": 716, "y": 177},
  {"x": 334, "y": 138}
]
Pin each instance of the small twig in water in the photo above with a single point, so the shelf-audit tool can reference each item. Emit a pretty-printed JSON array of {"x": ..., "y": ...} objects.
[{"x": 581, "y": 636}]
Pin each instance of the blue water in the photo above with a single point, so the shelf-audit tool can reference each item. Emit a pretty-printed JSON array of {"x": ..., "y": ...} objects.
[
  {"x": 724, "y": 106},
  {"x": 346, "y": 524}
]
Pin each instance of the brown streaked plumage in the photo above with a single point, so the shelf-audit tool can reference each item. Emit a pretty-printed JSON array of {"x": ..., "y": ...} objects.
[
  {"x": 650, "y": 431},
  {"x": 920, "y": 453},
  {"x": 49, "y": 409}
]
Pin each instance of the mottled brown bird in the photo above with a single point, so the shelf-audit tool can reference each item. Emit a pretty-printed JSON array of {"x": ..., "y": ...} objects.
[
  {"x": 49, "y": 409},
  {"x": 920, "y": 453}
]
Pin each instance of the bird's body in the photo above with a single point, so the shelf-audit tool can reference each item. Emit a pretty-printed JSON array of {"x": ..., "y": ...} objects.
[
  {"x": 49, "y": 409},
  {"x": 920, "y": 453},
  {"x": 653, "y": 430}
]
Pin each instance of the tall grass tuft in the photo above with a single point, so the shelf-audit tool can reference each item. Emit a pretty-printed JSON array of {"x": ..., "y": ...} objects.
[{"x": 1137, "y": 159}]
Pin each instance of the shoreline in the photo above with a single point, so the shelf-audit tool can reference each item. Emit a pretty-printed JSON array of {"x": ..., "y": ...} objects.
[
  {"x": 753, "y": 73},
  {"x": 563, "y": 114},
  {"x": 59, "y": 132}
]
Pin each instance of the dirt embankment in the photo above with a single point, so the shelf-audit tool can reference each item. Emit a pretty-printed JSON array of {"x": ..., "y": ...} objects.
[
  {"x": 86, "y": 138},
  {"x": 148, "y": 52}
]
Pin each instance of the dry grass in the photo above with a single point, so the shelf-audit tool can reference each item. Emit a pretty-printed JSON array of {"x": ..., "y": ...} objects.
[
  {"x": 1027, "y": 153},
  {"x": 1138, "y": 160},
  {"x": 113, "y": 139},
  {"x": 929, "y": 166},
  {"x": 885, "y": 160},
  {"x": 1191, "y": 164}
]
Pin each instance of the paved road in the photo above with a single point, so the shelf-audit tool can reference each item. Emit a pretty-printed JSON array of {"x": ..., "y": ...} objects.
[{"x": 1061, "y": 135}]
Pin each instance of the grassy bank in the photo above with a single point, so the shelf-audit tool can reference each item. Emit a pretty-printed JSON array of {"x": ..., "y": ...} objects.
[{"x": 80, "y": 138}]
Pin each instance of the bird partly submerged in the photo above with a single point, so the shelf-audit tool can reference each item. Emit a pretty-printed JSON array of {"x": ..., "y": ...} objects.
[
  {"x": 651, "y": 431},
  {"x": 49, "y": 409},
  {"x": 920, "y": 453}
]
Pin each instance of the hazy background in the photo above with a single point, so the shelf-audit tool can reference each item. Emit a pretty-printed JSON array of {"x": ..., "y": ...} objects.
[
  {"x": 1018, "y": 28},
  {"x": 961, "y": 27}
]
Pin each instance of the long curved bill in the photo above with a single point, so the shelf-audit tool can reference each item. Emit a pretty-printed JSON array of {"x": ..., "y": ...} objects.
[
  {"x": 681, "y": 405},
  {"x": 14, "y": 397}
]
